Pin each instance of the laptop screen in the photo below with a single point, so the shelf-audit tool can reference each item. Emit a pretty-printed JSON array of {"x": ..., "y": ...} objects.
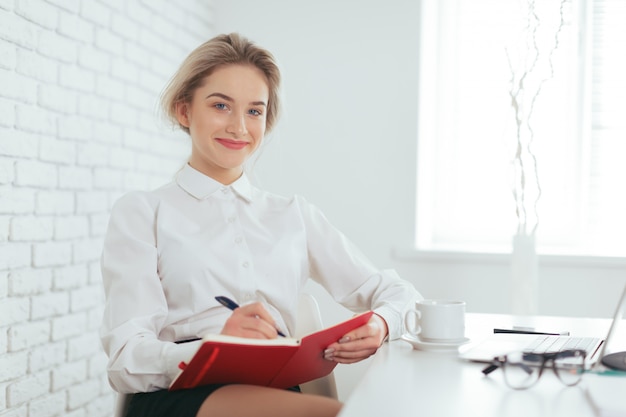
[{"x": 615, "y": 360}]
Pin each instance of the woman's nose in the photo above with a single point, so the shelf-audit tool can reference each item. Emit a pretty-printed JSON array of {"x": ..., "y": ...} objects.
[{"x": 237, "y": 125}]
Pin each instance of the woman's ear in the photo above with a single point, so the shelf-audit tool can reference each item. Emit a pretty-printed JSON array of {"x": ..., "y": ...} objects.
[{"x": 182, "y": 113}]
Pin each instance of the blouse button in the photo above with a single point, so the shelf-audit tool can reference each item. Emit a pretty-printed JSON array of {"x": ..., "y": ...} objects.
[
  {"x": 231, "y": 219},
  {"x": 238, "y": 240},
  {"x": 245, "y": 264}
]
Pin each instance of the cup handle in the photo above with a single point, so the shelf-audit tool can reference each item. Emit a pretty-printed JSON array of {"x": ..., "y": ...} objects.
[{"x": 413, "y": 328}]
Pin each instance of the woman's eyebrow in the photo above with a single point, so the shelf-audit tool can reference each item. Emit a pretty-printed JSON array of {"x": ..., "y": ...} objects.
[
  {"x": 231, "y": 100},
  {"x": 220, "y": 95}
]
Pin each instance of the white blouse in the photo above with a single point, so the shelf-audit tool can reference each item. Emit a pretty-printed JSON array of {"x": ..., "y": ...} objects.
[{"x": 169, "y": 252}]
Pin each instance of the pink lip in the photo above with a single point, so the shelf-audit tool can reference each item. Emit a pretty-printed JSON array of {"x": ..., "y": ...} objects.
[{"x": 232, "y": 144}]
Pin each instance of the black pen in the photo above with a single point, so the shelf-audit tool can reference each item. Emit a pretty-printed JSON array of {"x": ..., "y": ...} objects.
[
  {"x": 522, "y": 331},
  {"x": 228, "y": 303}
]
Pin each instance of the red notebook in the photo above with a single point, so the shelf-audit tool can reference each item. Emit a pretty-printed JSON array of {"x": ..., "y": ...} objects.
[{"x": 278, "y": 363}]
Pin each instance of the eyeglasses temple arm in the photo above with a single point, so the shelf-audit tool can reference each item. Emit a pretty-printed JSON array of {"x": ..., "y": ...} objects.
[{"x": 490, "y": 368}]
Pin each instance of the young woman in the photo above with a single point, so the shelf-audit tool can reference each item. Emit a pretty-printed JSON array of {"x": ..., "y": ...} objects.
[{"x": 210, "y": 232}]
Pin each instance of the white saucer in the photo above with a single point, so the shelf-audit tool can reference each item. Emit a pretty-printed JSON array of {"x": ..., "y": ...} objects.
[{"x": 432, "y": 346}]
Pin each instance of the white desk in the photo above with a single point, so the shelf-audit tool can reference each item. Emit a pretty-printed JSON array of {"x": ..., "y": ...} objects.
[{"x": 401, "y": 381}]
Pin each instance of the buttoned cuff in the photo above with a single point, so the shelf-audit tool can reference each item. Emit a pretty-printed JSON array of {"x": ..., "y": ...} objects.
[
  {"x": 394, "y": 322},
  {"x": 174, "y": 354}
]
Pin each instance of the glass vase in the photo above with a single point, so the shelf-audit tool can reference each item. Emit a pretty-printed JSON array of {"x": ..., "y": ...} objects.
[{"x": 524, "y": 275}]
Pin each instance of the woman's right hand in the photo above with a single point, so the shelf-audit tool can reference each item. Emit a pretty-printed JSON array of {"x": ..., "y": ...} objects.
[{"x": 252, "y": 321}]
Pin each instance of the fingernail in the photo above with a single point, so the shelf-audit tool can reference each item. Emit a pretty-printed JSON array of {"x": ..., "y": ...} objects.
[
  {"x": 329, "y": 352},
  {"x": 344, "y": 339}
]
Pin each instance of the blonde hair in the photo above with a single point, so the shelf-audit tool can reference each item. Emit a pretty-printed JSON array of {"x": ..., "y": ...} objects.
[{"x": 222, "y": 50}]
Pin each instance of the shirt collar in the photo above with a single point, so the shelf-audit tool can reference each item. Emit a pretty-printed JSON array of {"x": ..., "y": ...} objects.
[{"x": 202, "y": 186}]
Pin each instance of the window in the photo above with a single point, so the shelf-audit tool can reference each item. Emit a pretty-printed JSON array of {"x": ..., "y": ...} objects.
[{"x": 567, "y": 57}]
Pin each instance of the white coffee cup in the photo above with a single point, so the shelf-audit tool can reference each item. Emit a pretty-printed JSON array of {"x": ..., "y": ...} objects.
[{"x": 436, "y": 321}]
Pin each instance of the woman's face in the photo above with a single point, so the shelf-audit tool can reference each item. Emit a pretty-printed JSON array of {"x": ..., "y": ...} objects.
[{"x": 226, "y": 120}]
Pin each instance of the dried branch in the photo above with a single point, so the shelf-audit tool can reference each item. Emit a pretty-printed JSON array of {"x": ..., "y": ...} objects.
[{"x": 523, "y": 93}]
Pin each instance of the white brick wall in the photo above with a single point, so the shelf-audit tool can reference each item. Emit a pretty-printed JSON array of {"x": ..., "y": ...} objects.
[{"x": 79, "y": 84}]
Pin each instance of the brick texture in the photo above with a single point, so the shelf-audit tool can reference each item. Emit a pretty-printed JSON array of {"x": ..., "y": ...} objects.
[{"x": 79, "y": 81}]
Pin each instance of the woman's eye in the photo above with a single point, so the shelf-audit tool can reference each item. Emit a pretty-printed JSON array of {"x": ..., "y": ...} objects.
[
  {"x": 254, "y": 112},
  {"x": 220, "y": 106}
]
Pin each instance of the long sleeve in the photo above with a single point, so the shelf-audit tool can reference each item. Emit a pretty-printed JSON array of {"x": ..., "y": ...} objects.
[
  {"x": 340, "y": 267},
  {"x": 136, "y": 307}
]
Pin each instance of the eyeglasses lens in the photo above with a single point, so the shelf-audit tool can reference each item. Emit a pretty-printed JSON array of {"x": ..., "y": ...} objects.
[
  {"x": 569, "y": 366},
  {"x": 521, "y": 370}
]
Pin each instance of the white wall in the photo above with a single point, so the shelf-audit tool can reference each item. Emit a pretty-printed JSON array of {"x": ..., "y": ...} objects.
[
  {"x": 348, "y": 143},
  {"x": 79, "y": 81}
]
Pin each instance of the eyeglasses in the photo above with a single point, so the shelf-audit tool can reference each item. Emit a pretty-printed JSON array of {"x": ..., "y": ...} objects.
[{"x": 523, "y": 369}]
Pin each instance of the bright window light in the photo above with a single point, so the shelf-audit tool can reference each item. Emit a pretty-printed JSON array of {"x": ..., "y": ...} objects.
[{"x": 543, "y": 80}]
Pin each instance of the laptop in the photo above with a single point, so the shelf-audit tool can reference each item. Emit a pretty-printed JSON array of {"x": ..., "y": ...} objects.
[{"x": 596, "y": 348}]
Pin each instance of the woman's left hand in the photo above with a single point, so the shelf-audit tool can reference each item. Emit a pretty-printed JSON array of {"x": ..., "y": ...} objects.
[{"x": 360, "y": 343}]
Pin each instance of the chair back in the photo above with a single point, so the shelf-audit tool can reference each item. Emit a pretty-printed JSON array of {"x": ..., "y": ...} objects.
[{"x": 309, "y": 320}]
